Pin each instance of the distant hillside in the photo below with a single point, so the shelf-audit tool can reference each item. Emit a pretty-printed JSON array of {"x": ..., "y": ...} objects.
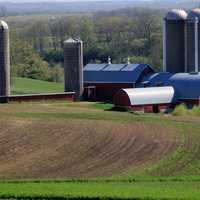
[
  {"x": 54, "y": 7},
  {"x": 30, "y": 86},
  {"x": 7, "y": 8}
]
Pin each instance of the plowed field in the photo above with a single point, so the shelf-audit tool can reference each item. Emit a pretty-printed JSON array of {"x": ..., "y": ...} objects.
[{"x": 48, "y": 145}]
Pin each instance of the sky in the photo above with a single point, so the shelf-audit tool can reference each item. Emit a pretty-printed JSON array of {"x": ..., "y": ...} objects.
[{"x": 59, "y": 0}]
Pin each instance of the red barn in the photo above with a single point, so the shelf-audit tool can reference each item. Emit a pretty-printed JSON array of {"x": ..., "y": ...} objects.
[
  {"x": 150, "y": 99},
  {"x": 103, "y": 81}
]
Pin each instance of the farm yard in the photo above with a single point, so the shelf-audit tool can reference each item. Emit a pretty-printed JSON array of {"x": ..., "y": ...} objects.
[
  {"x": 63, "y": 150},
  {"x": 81, "y": 150},
  {"x": 59, "y": 150}
]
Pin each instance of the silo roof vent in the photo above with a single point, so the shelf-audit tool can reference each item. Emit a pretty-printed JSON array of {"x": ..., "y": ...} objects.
[
  {"x": 128, "y": 60},
  {"x": 176, "y": 14},
  {"x": 109, "y": 60},
  {"x": 194, "y": 13},
  {"x": 72, "y": 40}
]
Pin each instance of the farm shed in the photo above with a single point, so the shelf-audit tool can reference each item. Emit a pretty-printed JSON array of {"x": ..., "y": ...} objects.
[
  {"x": 186, "y": 85},
  {"x": 103, "y": 81},
  {"x": 151, "y": 99}
]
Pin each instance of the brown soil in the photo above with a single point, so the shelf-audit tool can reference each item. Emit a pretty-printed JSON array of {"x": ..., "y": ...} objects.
[
  {"x": 39, "y": 148},
  {"x": 46, "y": 107}
]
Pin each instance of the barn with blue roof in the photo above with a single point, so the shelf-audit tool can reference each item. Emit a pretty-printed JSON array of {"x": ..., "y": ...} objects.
[
  {"x": 186, "y": 85},
  {"x": 105, "y": 82},
  {"x": 102, "y": 81},
  {"x": 186, "y": 89}
]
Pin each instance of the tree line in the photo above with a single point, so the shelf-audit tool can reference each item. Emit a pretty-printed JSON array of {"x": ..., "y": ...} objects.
[{"x": 37, "y": 49}]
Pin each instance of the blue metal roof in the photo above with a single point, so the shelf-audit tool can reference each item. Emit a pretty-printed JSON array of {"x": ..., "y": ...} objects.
[
  {"x": 187, "y": 86},
  {"x": 96, "y": 67},
  {"x": 155, "y": 79},
  {"x": 114, "y": 73},
  {"x": 114, "y": 67},
  {"x": 130, "y": 67}
]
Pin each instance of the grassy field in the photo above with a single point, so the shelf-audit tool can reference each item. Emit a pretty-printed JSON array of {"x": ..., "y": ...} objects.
[
  {"x": 63, "y": 150},
  {"x": 101, "y": 190},
  {"x": 31, "y": 86}
]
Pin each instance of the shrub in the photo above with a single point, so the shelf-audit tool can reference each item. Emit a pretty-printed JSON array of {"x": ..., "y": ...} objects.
[
  {"x": 181, "y": 110},
  {"x": 195, "y": 111}
]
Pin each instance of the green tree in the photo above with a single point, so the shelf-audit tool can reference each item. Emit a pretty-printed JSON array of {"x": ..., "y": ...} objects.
[
  {"x": 27, "y": 63},
  {"x": 56, "y": 74}
]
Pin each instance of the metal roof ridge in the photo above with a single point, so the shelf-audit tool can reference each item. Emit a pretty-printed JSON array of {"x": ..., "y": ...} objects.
[
  {"x": 141, "y": 69},
  {"x": 106, "y": 65},
  {"x": 124, "y": 66}
]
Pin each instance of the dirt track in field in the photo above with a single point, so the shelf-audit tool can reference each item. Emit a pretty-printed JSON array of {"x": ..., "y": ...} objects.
[
  {"x": 41, "y": 148},
  {"x": 47, "y": 107}
]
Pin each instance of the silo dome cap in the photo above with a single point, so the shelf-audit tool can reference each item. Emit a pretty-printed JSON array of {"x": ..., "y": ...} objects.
[
  {"x": 3, "y": 24},
  {"x": 176, "y": 14},
  {"x": 72, "y": 40},
  {"x": 194, "y": 13}
]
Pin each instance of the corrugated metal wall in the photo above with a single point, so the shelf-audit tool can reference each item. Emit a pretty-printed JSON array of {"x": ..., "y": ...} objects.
[
  {"x": 192, "y": 42},
  {"x": 175, "y": 46},
  {"x": 73, "y": 66},
  {"x": 199, "y": 47},
  {"x": 4, "y": 60},
  {"x": 106, "y": 91},
  {"x": 190, "y": 46}
]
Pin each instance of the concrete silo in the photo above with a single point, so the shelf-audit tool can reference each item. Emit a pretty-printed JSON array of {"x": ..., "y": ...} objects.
[
  {"x": 193, "y": 43},
  {"x": 73, "y": 66},
  {"x": 174, "y": 50},
  {"x": 4, "y": 60}
]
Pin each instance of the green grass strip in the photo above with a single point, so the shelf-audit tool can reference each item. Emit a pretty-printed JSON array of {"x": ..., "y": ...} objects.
[{"x": 141, "y": 190}]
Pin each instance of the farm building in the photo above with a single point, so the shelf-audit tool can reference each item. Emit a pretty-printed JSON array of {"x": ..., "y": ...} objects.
[
  {"x": 186, "y": 85},
  {"x": 138, "y": 86},
  {"x": 102, "y": 81},
  {"x": 116, "y": 82},
  {"x": 151, "y": 99},
  {"x": 123, "y": 84}
]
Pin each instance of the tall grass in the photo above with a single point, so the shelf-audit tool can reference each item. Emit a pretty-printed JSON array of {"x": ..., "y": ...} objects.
[{"x": 182, "y": 110}]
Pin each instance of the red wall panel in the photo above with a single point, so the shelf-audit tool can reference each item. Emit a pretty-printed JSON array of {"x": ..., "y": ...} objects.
[
  {"x": 38, "y": 97},
  {"x": 106, "y": 91}
]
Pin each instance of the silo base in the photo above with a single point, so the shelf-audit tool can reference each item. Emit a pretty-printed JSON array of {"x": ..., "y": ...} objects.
[{"x": 4, "y": 99}]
